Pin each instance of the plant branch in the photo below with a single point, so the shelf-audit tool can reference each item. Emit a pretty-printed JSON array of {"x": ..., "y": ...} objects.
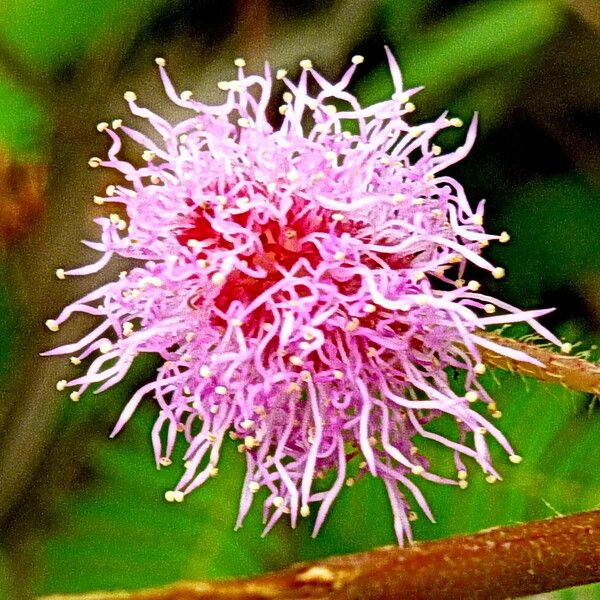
[
  {"x": 570, "y": 371},
  {"x": 503, "y": 562}
]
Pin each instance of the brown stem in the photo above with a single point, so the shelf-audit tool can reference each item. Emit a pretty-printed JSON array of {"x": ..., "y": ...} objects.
[
  {"x": 504, "y": 562},
  {"x": 570, "y": 371}
]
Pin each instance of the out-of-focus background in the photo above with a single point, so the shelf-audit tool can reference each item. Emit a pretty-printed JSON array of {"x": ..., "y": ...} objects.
[{"x": 79, "y": 512}]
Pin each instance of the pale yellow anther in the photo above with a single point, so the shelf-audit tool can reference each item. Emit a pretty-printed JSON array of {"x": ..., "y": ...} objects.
[
  {"x": 417, "y": 470},
  {"x": 288, "y": 97},
  {"x": 165, "y": 461},
  {"x": 338, "y": 374},
  {"x": 249, "y": 442},
  {"x": 283, "y": 109},
  {"x": 504, "y": 237},
  {"x": 194, "y": 244},
  {"x": 281, "y": 73},
  {"x": 247, "y": 424},
  {"x": 462, "y": 475},
  {"x": 178, "y": 496},
  {"x": 160, "y": 61},
  {"x": 293, "y": 175},
  {"x": 60, "y": 273},
  {"x": 371, "y": 352},
  {"x": 74, "y": 360},
  {"x": 337, "y": 217},
  {"x": 418, "y": 201},
  {"x": 515, "y": 459},
  {"x": 52, "y": 325},
  {"x": 330, "y": 109},
  {"x": 130, "y": 96},
  {"x": 339, "y": 255},
  {"x": 292, "y": 388},
  {"x": 479, "y": 368},
  {"x": 472, "y": 396},
  {"x": 61, "y": 385},
  {"x": 498, "y": 273},
  {"x": 105, "y": 347},
  {"x": 94, "y": 162},
  {"x": 237, "y": 322},
  {"x": 436, "y": 150},
  {"x": 306, "y": 64},
  {"x": 455, "y": 122},
  {"x": 224, "y": 85},
  {"x": 350, "y": 481},
  {"x": 221, "y": 390},
  {"x": 566, "y": 348},
  {"x": 358, "y": 59},
  {"x": 98, "y": 200},
  {"x": 490, "y": 309},
  {"x": 352, "y": 325},
  {"x": 473, "y": 285},
  {"x": 370, "y": 308},
  {"x": 117, "y": 123},
  {"x": 239, "y": 62},
  {"x": 305, "y": 510},
  {"x": 148, "y": 155},
  {"x": 481, "y": 430},
  {"x": 463, "y": 484},
  {"x": 102, "y": 126},
  {"x": 186, "y": 94},
  {"x": 214, "y": 409},
  {"x": 409, "y": 107},
  {"x": 305, "y": 376},
  {"x": 214, "y": 471},
  {"x": 218, "y": 278},
  {"x": 296, "y": 361},
  {"x": 243, "y": 122},
  {"x": 114, "y": 218},
  {"x": 477, "y": 219},
  {"x": 75, "y": 396},
  {"x": 254, "y": 486},
  {"x": 267, "y": 326},
  {"x": 398, "y": 198},
  {"x": 491, "y": 479},
  {"x": 278, "y": 502}
]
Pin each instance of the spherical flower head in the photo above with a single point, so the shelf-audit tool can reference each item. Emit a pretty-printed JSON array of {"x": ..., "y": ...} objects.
[{"x": 302, "y": 285}]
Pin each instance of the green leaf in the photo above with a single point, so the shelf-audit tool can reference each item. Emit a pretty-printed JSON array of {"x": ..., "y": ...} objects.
[
  {"x": 474, "y": 40},
  {"x": 47, "y": 33},
  {"x": 23, "y": 128}
]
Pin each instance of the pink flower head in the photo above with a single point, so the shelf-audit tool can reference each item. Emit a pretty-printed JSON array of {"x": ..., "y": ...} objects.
[{"x": 303, "y": 288}]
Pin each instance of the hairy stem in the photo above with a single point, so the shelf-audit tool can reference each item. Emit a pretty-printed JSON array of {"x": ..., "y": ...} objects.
[
  {"x": 504, "y": 562},
  {"x": 570, "y": 371}
]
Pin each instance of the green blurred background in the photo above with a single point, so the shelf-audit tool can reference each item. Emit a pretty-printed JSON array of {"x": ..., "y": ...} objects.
[{"x": 79, "y": 512}]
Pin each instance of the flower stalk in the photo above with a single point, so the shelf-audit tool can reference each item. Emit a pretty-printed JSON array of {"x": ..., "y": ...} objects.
[
  {"x": 572, "y": 372},
  {"x": 504, "y": 562}
]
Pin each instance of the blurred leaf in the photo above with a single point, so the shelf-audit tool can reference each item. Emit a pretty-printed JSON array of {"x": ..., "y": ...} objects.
[
  {"x": 22, "y": 126},
  {"x": 123, "y": 533},
  {"x": 475, "y": 39},
  {"x": 553, "y": 237},
  {"x": 47, "y": 33},
  {"x": 399, "y": 18}
]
